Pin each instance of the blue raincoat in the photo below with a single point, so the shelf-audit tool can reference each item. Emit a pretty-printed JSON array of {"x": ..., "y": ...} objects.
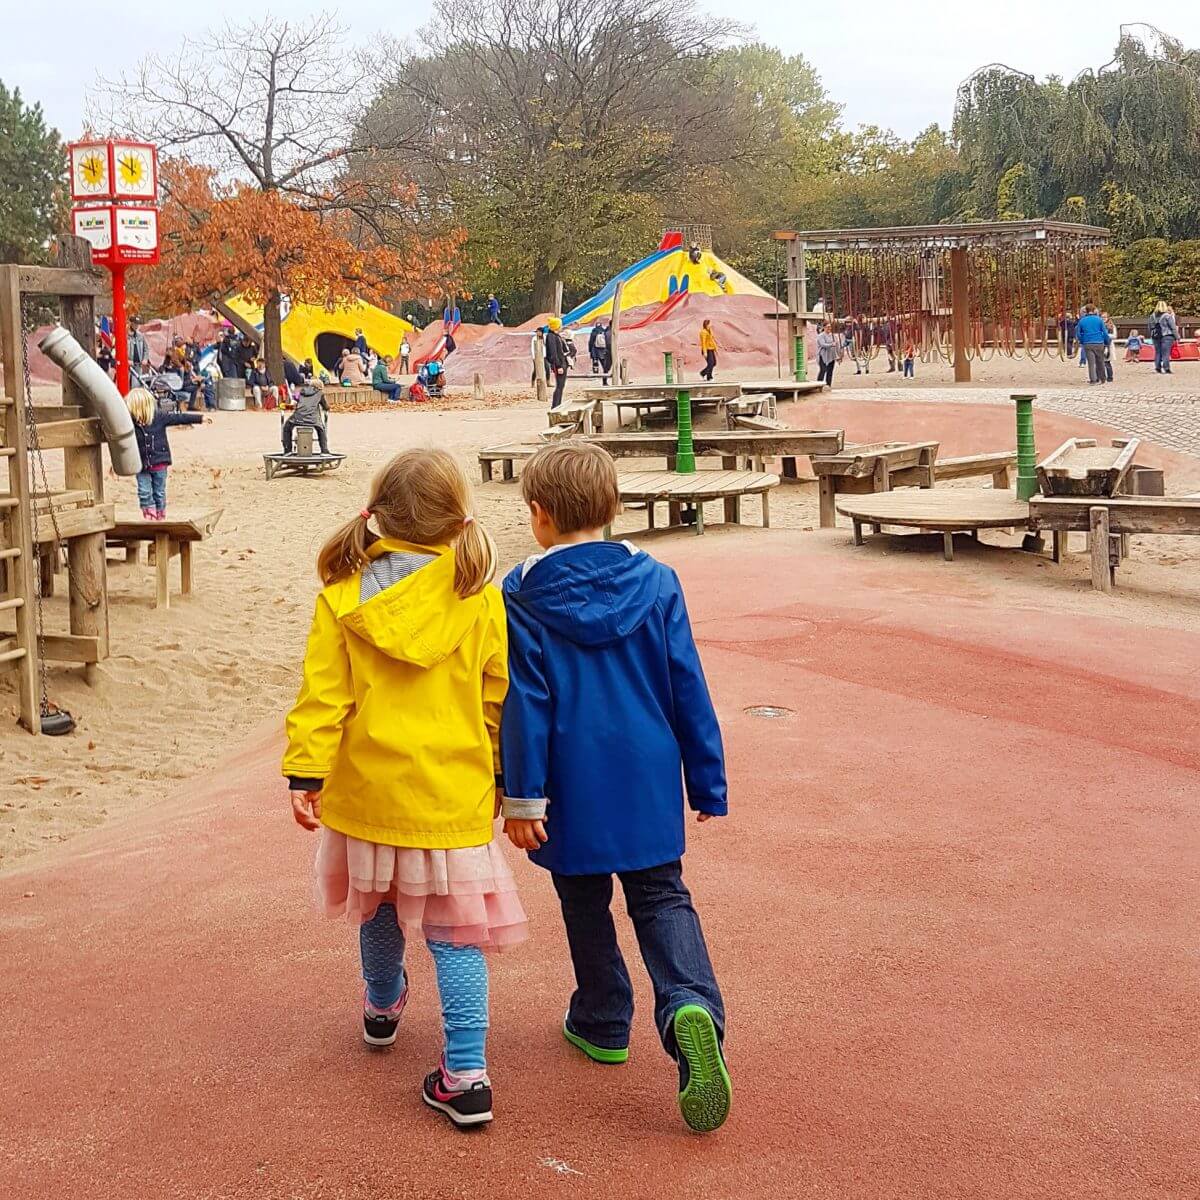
[{"x": 608, "y": 716}]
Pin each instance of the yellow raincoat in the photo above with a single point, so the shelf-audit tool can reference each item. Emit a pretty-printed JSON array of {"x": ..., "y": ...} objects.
[{"x": 399, "y": 711}]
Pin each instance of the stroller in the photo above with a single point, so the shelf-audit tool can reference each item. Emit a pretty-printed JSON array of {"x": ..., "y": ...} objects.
[{"x": 431, "y": 377}]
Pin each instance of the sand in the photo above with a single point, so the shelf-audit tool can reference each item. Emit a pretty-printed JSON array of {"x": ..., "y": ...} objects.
[{"x": 184, "y": 686}]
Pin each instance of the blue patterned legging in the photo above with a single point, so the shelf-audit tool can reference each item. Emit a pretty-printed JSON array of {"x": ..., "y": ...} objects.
[{"x": 462, "y": 984}]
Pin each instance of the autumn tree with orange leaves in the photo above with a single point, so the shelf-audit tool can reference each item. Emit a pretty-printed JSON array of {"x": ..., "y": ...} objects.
[{"x": 267, "y": 179}]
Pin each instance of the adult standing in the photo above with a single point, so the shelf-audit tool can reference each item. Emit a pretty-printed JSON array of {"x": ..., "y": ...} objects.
[
  {"x": 227, "y": 352},
  {"x": 1067, "y": 325},
  {"x": 493, "y": 310},
  {"x": 600, "y": 350},
  {"x": 827, "y": 353},
  {"x": 1092, "y": 335},
  {"x": 708, "y": 347},
  {"x": 360, "y": 344},
  {"x": 139, "y": 349},
  {"x": 1164, "y": 333},
  {"x": 556, "y": 359},
  {"x": 405, "y": 354}
]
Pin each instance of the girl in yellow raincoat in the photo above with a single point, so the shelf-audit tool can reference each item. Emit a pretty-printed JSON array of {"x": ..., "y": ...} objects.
[{"x": 392, "y": 754}]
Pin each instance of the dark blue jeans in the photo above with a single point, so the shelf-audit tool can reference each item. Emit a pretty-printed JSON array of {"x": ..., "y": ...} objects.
[
  {"x": 1162, "y": 353},
  {"x": 672, "y": 946}
]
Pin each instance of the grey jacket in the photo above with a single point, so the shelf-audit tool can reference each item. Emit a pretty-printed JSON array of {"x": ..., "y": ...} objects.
[
  {"x": 310, "y": 401},
  {"x": 826, "y": 347}
]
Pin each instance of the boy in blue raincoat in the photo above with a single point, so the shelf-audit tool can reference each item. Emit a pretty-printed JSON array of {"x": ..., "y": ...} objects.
[{"x": 607, "y": 725}]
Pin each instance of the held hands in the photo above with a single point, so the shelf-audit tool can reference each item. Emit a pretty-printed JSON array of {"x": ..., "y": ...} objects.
[
  {"x": 306, "y": 808},
  {"x": 525, "y": 835}
]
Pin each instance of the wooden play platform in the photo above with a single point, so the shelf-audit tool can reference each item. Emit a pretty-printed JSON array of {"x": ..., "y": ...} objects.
[
  {"x": 1108, "y": 521},
  {"x": 170, "y": 538},
  {"x": 304, "y": 458},
  {"x": 943, "y": 510},
  {"x": 729, "y": 445},
  {"x": 875, "y": 467},
  {"x": 695, "y": 489}
]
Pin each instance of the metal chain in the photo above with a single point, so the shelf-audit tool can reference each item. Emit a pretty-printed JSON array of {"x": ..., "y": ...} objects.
[{"x": 34, "y": 445}]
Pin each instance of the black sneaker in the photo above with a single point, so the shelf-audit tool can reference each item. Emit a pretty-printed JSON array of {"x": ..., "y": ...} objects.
[
  {"x": 466, "y": 1107},
  {"x": 379, "y": 1028}
]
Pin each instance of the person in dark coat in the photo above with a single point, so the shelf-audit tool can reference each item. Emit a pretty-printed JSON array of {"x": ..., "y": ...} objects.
[
  {"x": 600, "y": 349},
  {"x": 607, "y": 726},
  {"x": 150, "y": 424},
  {"x": 556, "y": 359}
]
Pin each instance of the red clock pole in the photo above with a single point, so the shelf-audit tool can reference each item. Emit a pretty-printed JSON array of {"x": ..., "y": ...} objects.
[{"x": 120, "y": 328}]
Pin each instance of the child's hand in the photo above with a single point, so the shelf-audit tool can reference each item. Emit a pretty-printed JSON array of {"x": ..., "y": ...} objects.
[
  {"x": 702, "y": 817},
  {"x": 525, "y": 835},
  {"x": 499, "y": 802},
  {"x": 306, "y": 808}
]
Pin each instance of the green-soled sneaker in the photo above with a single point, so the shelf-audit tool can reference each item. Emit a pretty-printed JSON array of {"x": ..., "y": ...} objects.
[
  {"x": 705, "y": 1092},
  {"x": 600, "y": 1054}
]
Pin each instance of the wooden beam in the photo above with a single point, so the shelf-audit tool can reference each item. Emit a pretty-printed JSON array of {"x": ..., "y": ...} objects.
[
  {"x": 76, "y": 522},
  {"x": 959, "y": 314},
  {"x": 65, "y": 647},
  {"x": 58, "y": 435},
  {"x": 1126, "y": 514},
  {"x": 61, "y": 281},
  {"x": 20, "y": 569}
]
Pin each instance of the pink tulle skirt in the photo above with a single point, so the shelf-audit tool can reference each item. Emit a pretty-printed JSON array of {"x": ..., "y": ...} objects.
[{"x": 467, "y": 897}]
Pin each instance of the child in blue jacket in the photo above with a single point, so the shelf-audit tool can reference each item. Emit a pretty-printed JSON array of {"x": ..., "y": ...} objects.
[{"x": 608, "y": 720}]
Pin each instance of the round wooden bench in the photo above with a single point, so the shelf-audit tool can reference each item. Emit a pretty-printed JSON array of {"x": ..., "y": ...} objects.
[{"x": 695, "y": 489}]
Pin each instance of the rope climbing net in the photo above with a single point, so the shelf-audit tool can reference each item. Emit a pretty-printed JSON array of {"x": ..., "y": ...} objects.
[{"x": 892, "y": 290}]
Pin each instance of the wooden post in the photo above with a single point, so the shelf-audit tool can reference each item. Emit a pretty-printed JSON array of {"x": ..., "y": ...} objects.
[
  {"x": 614, "y": 328},
  {"x": 87, "y": 569},
  {"x": 477, "y": 385},
  {"x": 1098, "y": 531},
  {"x": 20, "y": 569},
  {"x": 623, "y": 373},
  {"x": 558, "y": 291},
  {"x": 539, "y": 370},
  {"x": 959, "y": 314}
]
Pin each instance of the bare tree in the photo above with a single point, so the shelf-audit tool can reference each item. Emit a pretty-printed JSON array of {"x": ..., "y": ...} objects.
[
  {"x": 280, "y": 105},
  {"x": 550, "y": 127}
]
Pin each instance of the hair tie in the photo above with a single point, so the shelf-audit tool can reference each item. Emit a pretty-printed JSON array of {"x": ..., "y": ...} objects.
[
  {"x": 365, "y": 514},
  {"x": 468, "y": 520}
]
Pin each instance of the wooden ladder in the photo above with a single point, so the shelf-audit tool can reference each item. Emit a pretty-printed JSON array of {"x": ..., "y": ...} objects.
[{"x": 16, "y": 542}]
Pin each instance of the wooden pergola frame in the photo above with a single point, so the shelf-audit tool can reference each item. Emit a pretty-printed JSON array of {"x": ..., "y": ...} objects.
[{"x": 959, "y": 240}]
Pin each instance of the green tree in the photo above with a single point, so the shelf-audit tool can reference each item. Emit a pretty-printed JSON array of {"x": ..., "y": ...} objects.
[
  {"x": 33, "y": 164},
  {"x": 559, "y": 132}
]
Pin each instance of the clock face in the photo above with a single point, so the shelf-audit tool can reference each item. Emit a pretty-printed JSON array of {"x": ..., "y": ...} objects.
[
  {"x": 133, "y": 168},
  {"x": 89, "y": 170}
]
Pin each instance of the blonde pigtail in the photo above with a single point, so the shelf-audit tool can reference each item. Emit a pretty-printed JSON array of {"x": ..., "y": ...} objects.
[{"x": 474, "y": 559}]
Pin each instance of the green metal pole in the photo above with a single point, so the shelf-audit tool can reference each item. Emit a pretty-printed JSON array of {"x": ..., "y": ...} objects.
[
  {"x": 800, "y": 358},
  {"x": 669, "y": 366},
  {"x": 685, "y": 454},
  {"x": 1027, "y": 484}
]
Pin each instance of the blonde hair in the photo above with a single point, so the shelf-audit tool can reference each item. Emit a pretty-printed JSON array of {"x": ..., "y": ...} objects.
[
  {"x": 421, "y": 496},
  {"x": 1161, "y": 307},
  {"x": 141, "y": 405},
  {"x": 575, "y": 483}
]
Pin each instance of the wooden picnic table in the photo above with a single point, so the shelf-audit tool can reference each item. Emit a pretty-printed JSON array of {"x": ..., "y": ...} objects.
[
  {"x": 646, "y": 398},
  {"x": 695, "y": 489},
  {"x": 729, "y": 445},
  {"x": 174, "y": 536},
  {"x": 873, "y": 467}
]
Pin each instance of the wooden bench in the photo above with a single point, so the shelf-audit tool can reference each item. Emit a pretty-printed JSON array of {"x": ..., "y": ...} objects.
[
  {"x": 337, "y": 396},
  {"x": 1108, "y": 521},
  {"x": 999, "y": 466},
  {"x": 875, "y": 467},
  {"x": 694, "y": 489},
  {"x": 753, "y": 446},
  {"x": 174, "y": 536}
]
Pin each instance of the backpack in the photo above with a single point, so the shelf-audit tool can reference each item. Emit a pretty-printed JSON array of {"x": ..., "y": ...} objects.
[
  {"x": 601, "y": 340},
  {"x": 1154, "y": 325}
]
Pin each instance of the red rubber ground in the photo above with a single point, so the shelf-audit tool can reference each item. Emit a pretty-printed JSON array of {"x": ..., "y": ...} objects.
[{"x": 954, "y": 915}]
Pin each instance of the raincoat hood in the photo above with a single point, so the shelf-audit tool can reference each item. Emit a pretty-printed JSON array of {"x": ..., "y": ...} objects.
[
  {"x": 593, "y": 594},
  {"x": 419, "y": 620}
]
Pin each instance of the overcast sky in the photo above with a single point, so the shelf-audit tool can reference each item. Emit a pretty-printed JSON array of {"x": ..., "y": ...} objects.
[{"x": 889, "y": 64}]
